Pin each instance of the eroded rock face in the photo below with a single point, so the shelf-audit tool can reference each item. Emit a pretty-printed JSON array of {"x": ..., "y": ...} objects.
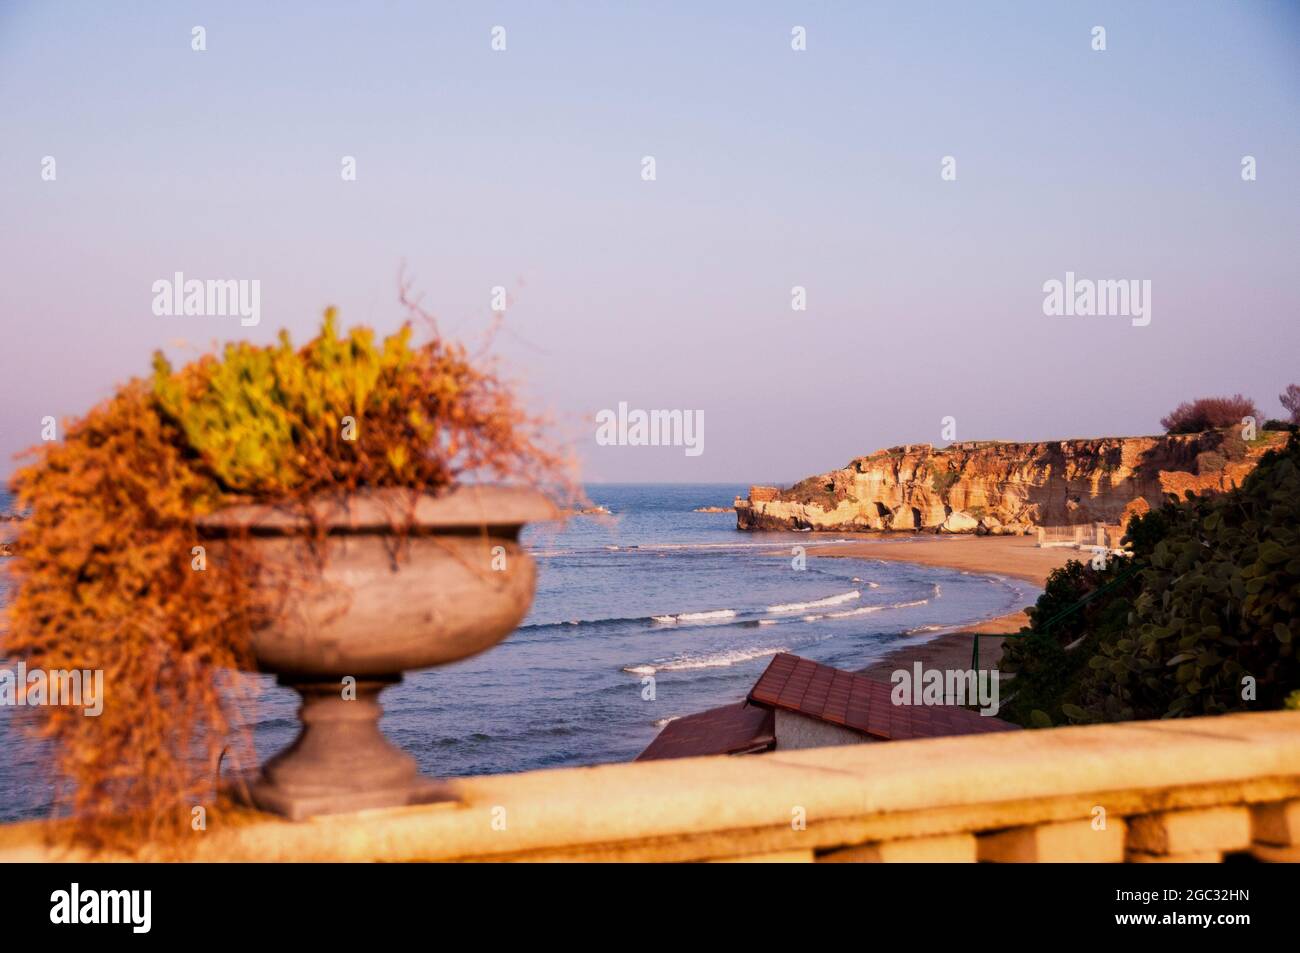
[
  {"x": 1004, "y": 488},
  {"x": 959, "y": 522}
]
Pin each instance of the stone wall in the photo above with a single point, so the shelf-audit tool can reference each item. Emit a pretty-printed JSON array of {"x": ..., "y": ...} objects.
[{"x": 1178, "y": 789}]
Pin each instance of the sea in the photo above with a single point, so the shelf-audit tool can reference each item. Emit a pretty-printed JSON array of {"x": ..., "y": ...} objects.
[{"x": 651, "y": 613}]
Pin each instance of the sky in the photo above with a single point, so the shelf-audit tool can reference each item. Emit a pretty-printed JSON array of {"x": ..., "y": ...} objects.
[{"x": 821, "y": 168}]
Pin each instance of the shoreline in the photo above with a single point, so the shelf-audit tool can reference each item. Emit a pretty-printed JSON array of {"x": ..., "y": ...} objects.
[{"x": 1015, "y": 556}]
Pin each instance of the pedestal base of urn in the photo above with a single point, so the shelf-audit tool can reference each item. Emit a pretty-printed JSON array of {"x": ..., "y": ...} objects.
[{"x": 341, "y": 761}]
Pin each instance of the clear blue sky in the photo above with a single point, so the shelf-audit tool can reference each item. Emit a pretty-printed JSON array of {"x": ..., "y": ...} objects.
[{"x": 775, "y": 168}]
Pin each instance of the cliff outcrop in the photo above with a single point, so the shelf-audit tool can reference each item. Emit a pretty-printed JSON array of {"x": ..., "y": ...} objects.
[{"x": 1006, "y": 488}]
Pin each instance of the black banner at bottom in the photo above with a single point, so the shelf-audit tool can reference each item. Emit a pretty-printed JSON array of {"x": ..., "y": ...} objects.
[{"x": 134, "y": 903}]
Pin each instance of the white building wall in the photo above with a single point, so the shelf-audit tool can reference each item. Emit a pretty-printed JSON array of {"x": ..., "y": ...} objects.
[{"x": 799, "y": 731}]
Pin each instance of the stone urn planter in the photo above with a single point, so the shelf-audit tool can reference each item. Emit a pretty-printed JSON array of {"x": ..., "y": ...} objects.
[{"x": 405, "y": 581}]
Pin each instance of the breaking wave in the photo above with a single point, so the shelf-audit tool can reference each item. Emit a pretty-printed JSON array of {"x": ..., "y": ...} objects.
[
  {"x": 716, "y": 660},
  {"x": 817, "y": 603},
  {"x": 863, "y": 610},
  {"x": 710, "y": 616},
  {"x": 928, "y": 629}
]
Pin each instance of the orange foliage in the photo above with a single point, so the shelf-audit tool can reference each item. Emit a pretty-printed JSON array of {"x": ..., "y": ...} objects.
[{"x": 103, "y": 567}]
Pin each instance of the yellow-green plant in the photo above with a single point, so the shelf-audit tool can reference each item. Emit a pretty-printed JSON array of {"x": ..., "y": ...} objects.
[{"x": 103, "y": 568}]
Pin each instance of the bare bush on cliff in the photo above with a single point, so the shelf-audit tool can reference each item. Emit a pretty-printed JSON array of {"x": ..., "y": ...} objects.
[
  {"x": 1209, "y": 413},
  {"x": 1290, "y": 399}
]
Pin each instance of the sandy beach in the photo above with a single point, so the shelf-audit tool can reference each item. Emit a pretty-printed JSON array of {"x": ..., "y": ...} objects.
[{"x": 1017, "y": 556}]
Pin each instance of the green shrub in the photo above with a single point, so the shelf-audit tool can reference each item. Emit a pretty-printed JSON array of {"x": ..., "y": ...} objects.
[
  {"x": 1210, "y": 462},
  {"x": 1049, "y": 659},
  {"x": 814, "y": 490},
  {"x": 1232, "y": 445},
  {"x": 1215, "y": 598},
  {"x": 942, "y": 481}
]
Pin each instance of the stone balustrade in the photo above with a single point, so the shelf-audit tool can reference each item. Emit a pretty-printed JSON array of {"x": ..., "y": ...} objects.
[{"x": 1191, "y": 789}]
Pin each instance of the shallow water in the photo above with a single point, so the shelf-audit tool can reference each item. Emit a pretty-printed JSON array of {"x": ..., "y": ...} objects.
[{"x": 656, "y": 591}]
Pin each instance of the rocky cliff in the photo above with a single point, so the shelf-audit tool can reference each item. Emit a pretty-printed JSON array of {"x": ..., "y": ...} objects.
[{"x": 998, "y": 488}]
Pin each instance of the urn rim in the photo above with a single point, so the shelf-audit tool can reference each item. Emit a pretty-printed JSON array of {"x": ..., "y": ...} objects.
[{"x": 466, "y": 507}]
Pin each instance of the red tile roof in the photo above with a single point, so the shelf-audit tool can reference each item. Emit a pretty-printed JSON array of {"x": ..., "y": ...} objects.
[
  {"x": 741, "y": 728},
  {"x": 859, "y": 703}
]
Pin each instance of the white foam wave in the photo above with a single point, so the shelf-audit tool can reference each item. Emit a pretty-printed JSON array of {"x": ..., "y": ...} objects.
[
  {"x": 934, "y": 629},
  {"x": 703, "y": 616},
  {"x": 817, "y": 603},
  {"x": 860, "y": 610},
  {"x": 710, "y": 616},
  {"x": 716, "y": 660},
  {"x": 863, "y": 610}
]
